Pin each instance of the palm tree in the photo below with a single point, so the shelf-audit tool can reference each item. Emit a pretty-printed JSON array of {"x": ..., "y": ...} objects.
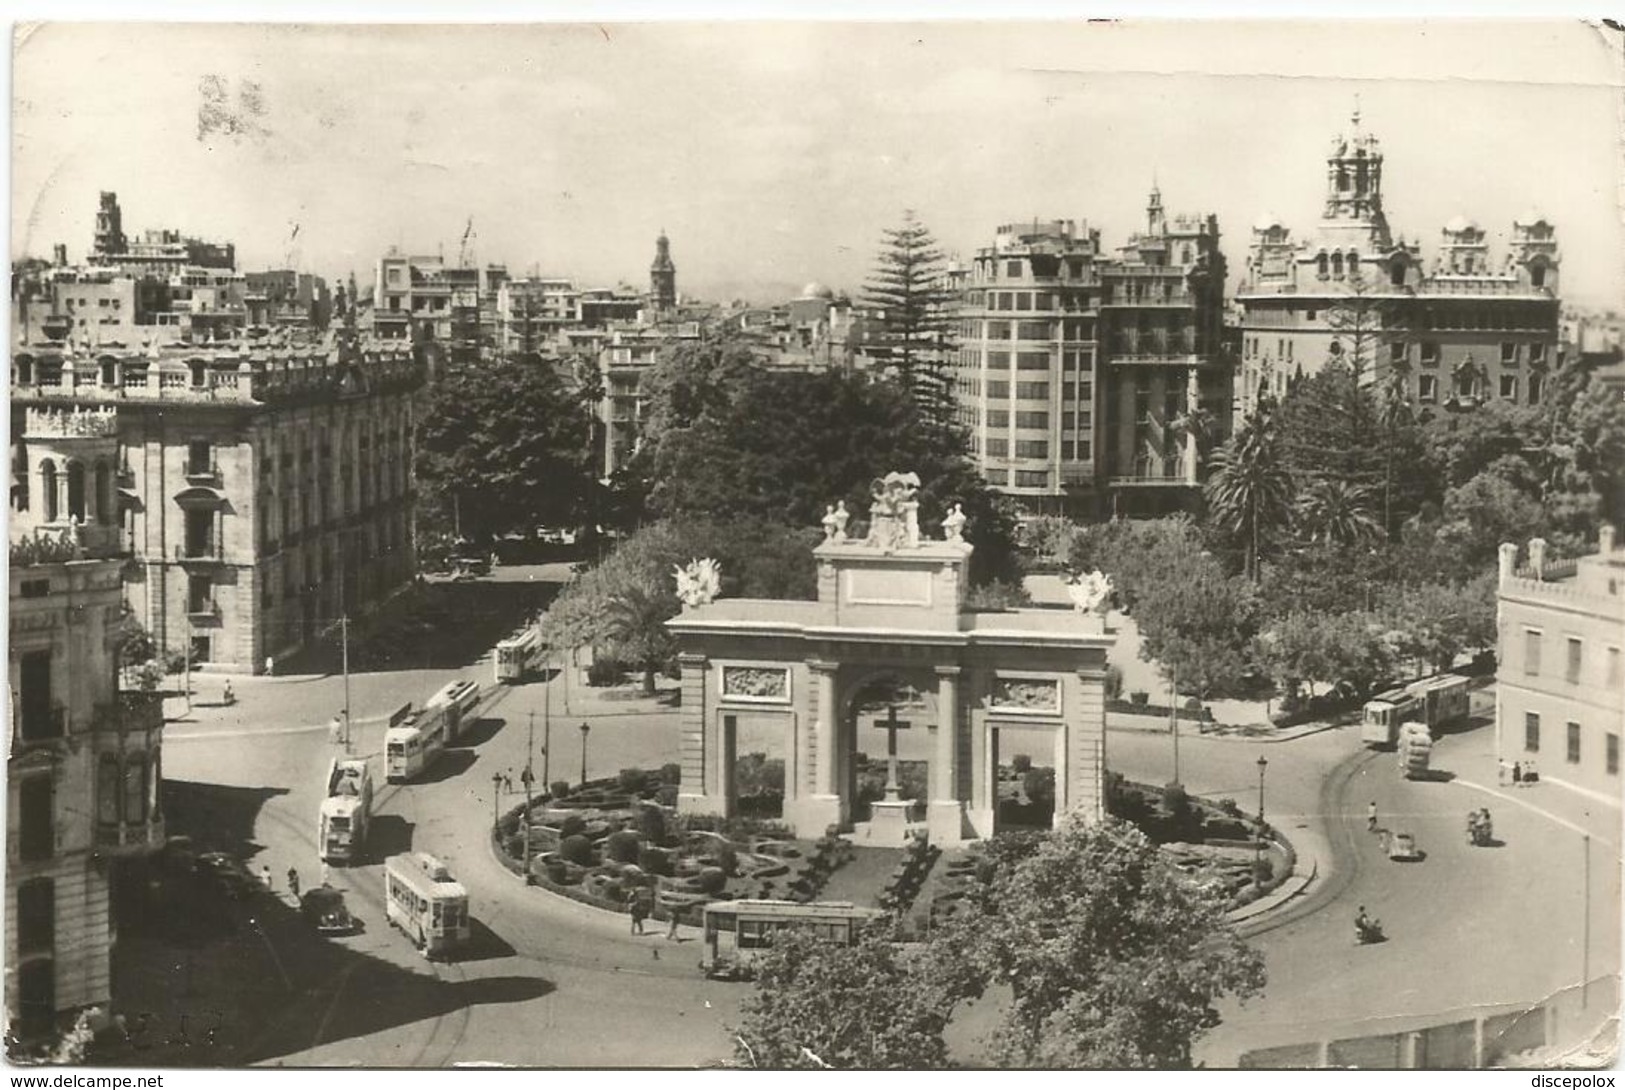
[
  {"x": 636, "y": 619},
  {"x": 1250, "y": 492},
  {"x": 1338, "y": 513}
]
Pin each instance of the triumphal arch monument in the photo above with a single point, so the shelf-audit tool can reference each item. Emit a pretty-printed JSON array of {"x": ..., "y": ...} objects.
[{"x": 890, "y": 616}]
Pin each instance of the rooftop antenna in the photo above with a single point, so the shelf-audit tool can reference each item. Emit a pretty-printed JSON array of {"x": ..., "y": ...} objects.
[
  {"x": 465, "y": 249},
  {"x": 1356, "y": 117}
]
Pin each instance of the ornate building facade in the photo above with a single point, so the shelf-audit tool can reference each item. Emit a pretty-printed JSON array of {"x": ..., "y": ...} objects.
[
  {"x": 1449, "y": 334},
  {"x": 261, "y": 487},
  {"x": 82, "y": 775}
]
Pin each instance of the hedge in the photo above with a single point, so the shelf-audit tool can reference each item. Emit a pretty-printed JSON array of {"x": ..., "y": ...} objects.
[{"x": 1128, "y": 707}]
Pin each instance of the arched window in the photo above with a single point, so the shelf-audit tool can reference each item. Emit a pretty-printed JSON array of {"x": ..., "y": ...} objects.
[
  {"x": 76, "y": 491},
  {"x": 1396, "y": 273},
  {"x": 1337, "y": 265},
  {"x": 1320, "y": 266},
  {"x": 104, "y": 494},
  {"x": 1537, "y": 275},
  {"x": 1354, "y": 263},
  {"x": 47, "y": 488}
]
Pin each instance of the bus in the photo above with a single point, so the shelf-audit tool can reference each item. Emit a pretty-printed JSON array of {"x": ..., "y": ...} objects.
[
  {"x": 346, "y": 811},
  {"x": 428, "y": 905},
  {"x": 518, "y": 655},
  {"x": 736, "y": 932},
  {"x": 414, "y": 741},
  {"x": 1433, "y": 702},
  {"x": 459, "y": 698}
]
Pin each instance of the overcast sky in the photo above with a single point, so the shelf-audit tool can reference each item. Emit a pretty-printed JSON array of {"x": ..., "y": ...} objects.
[{"x": 774, "y": 154}]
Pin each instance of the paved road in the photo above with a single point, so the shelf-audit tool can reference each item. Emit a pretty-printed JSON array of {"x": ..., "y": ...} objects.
[{"x": 1467, "y": 925}]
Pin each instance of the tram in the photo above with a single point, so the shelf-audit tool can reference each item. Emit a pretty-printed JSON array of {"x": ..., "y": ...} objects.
[
  {"x": 518, "y": 656},
  {"x": 736, "y": 932},
  {"x": 426, "y": 903}
]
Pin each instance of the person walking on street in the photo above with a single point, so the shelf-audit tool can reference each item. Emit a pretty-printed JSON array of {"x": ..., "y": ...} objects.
[
  {"x": 293, "y": 882},
  {"x": 335, "y": 728},
  {"x": 671, "y": 931},
  {"x": 1371, "y": 816},
  {"x": 639, "y": 910},
  {"x": 265, "y": 879}
]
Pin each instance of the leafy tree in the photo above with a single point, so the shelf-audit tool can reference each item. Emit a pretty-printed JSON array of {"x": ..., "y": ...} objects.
[
  {"x": 820, "y": 1004},
  {"x": 1328, "y": 428},
  {"x": 135, "y": 647},
  {"x": 1327, "y": 649},
  {"x": 691, "y": 379},
  {"x": 1137, "y": 553},
  {"x": 1435, "y": 623},
  {"x": 635, "y": 617},
  {"x": 915, "y": 315},
  {"x": 1198, "y": 623},
  {"x": 507, "y": 446},
  {"x": 1485, "y": 511},
  {"x": 789, "y": 444},
  {"x": 1250, "y": 492},
  {"x": 1115, "y": 958}
]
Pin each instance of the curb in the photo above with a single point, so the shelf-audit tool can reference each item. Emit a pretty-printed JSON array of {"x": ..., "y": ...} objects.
[
  {"x": 1223, "y": 734},
  {"x": 1295, "y": 884}
]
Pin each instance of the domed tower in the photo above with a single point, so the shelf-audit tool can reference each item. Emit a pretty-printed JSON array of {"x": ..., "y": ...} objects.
[
  {"x": 1534, "y": 255},
  {"x": 1354, "y": 185},
  {"x": 663, "y": 276}
]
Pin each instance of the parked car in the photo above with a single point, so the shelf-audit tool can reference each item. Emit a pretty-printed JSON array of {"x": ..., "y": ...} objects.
[
  {"x": 227, "y": 874},
  {"x": 325, "y": 909}
]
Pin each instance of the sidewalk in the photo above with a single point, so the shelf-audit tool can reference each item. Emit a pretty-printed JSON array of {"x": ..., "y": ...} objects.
[{"x": 1158, "y": 724}]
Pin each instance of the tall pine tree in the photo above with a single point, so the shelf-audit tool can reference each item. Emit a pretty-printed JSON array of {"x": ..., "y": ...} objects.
[{"x": 913, "y": 324}]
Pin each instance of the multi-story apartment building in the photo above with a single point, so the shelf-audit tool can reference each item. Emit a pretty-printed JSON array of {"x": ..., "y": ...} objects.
[
  {"x": 1464, "y": 330},
  {"x": 1167, "y": 375},
  {"x": 262, "y": 486},
  {"x": 624, "y": 359},
  {"x": 533, "y": 311},
  {"x": 1073, "y": 367},
  {"x": 456, "y": 307},
  {"x": 1560, "y": 694},
  {"x": 287, "y": 299},
  {"x": 82, "y": 774}
]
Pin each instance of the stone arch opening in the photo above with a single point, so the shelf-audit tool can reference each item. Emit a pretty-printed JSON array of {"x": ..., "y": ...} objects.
[
  {"x": 76, "y": 491},
  {"x": 48, "y": 496}
]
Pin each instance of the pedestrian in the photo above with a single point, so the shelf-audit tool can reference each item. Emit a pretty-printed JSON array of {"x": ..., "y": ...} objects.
[
  {"x": 265, "y": 878},
  {"x": 228, "y": 697},
  {"x": 326, "y": 874},
  {"x": 1371, "y": 816},
  {"x": 335, "y": 728},
  {"x": 639, "y": 910},
  {"x": 270, "y": 666},
  {"x": 1517, "y": 771},
  {"x": 671, "y": 931},
  {"x": 507, "y": 781},
  {"x": 293, "y": 881}
]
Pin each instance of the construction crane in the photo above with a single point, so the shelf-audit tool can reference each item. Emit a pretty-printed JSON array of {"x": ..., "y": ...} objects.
[
  {"x": 289, "y": 254},
  {"x": 465, "y": 248}
]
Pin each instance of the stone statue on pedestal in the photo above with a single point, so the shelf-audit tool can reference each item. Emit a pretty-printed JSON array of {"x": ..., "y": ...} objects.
[
  {"x": 699, "y": 583},
  {"x": 842, "y": 517},
  {"x": 953, "y": 526},
  {"x": 894, "y": 514},
  {"x": 1091, "y": 592}
]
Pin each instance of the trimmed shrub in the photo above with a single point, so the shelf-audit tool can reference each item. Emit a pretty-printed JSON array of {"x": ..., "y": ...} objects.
[
  {"x": 1021, "y": 764},
  {"x": 1175, "y": 800},
  {"x": 623, "y": 846},
  {"x": 574, "y": 825},
  {"x": 605, "y": 672},
  {"x": 1192, "y": 704},
  {"x": 728, "y": 859},
  {"x": 631, "y": 780},
  {"x": 560, "y": 789},
  {"x": 655, "y": 860},
  {"x": 1261, "y": 872},
  {"x": 652, "y": 823},
  {"x": 1230, "y": 807},
  {"x": 1139, "y": 697},
  {"x": 712, "y": 880},
  {"x": 671, "y": 773},
  {"x": 667, "y": 795},
  {"x": 576, "y": 849}
]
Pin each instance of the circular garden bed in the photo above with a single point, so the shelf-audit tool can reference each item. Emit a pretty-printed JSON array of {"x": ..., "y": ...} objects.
[{"x": 611, "y": 842}]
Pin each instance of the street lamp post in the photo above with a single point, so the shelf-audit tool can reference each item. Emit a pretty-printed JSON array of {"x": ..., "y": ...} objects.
[
  {"x": 1173, "y": 718},
  {"x": 496, "y": 798},
  {"x": 547, "y": 719},
  {"x": 1258, "y": 845},
  {"x": 585, "y": 730}
]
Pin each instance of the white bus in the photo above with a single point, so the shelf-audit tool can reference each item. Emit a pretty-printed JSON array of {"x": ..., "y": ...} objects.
[
  {"x": 426, "y": 902},
  {"x": 517, "y": 656},
  {"x": 459, "y": 698},
  {"x": 346, "y": 811},
  {"x": 414, "y": 741}
]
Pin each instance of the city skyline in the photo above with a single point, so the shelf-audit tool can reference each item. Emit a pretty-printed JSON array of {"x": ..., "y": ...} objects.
[{"x": 783, "y": 163}]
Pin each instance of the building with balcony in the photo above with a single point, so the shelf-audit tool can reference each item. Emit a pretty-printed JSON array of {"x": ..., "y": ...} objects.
[
  {"x": 261, "y": 488},
  {"x": 82, "y": 776},
  {"x": 154, "y": 252},
  {"x": 1074, "y": 366},
  {"x": 455, "y": 306},
  {"x": 1560, "y": 693},
  {"x": 287, "y": 299},
  {"x": 623, "y": 360},
  {"x": 1451, "y": 334}
]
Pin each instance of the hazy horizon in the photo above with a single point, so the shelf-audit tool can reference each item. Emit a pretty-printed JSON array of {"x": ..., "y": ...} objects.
[{"x": 775, "y": 153}]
